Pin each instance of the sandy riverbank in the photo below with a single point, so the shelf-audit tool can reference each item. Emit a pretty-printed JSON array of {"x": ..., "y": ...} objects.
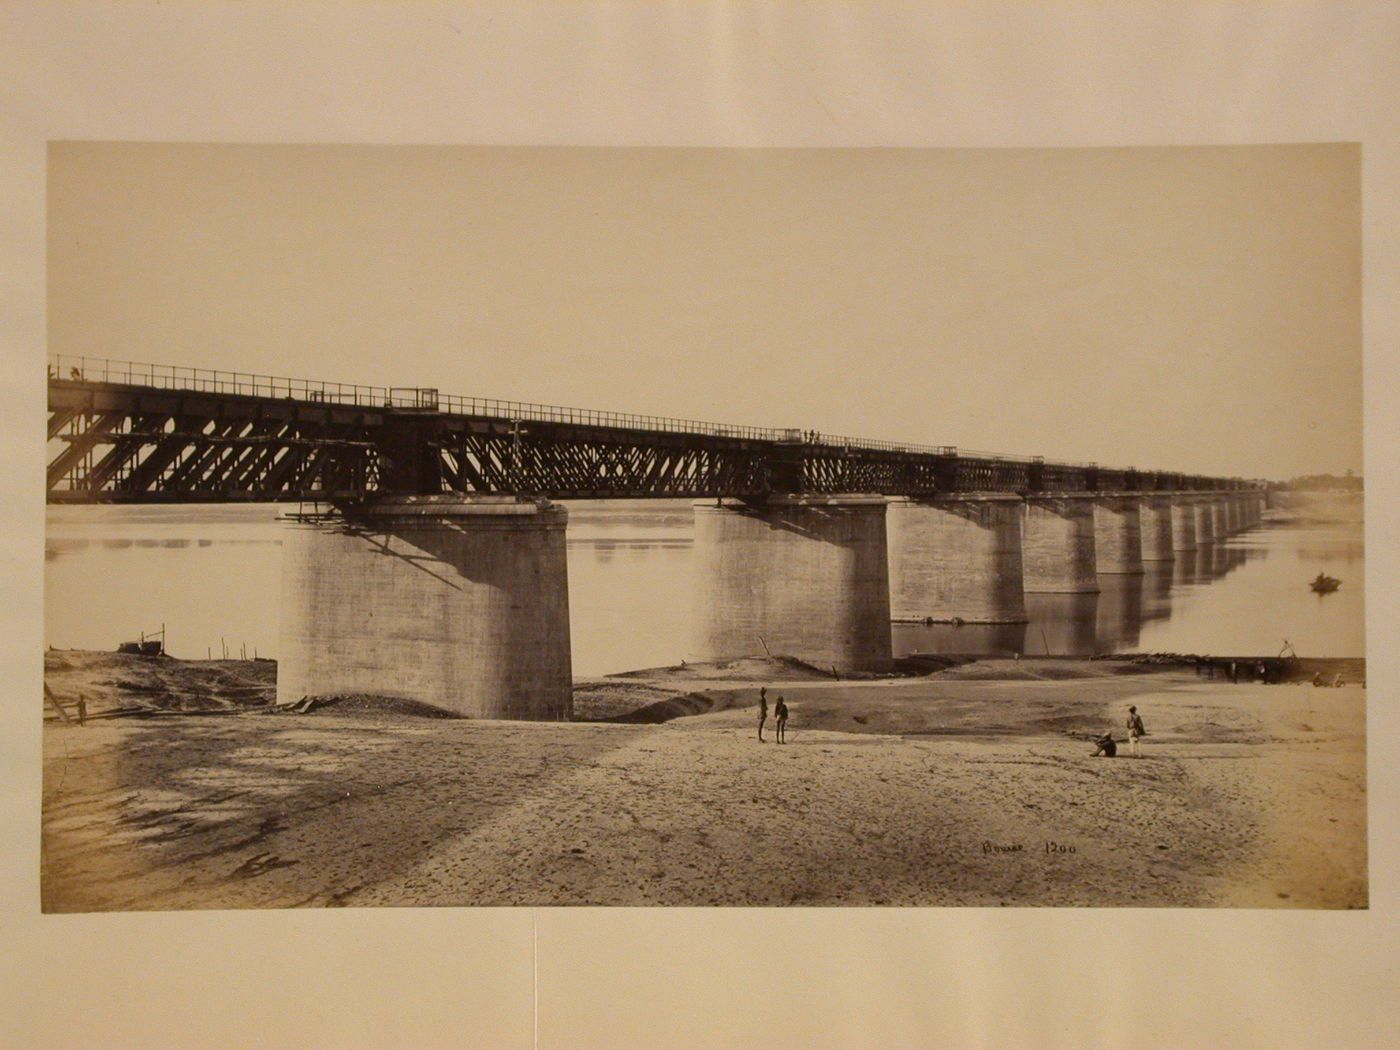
[{"x": 941, "y": 790}]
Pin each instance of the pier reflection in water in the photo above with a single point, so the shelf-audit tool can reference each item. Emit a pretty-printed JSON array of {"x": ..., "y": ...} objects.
[
  {"x": 1118, "y": 620},
  {"x": 1185, "y": 569},
  {"x": 1156, "y": 591},
  {"x": 215, "y": 572},
  {"x": 1062, "y": 624}
]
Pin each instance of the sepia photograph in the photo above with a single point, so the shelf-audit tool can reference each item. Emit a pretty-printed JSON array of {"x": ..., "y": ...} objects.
[
  {"x": 479, "y": 526},
  {"x": 707, "y": 525}
]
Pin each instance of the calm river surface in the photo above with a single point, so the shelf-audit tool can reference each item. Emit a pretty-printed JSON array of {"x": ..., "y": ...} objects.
[{"x": 212, "y": 575}]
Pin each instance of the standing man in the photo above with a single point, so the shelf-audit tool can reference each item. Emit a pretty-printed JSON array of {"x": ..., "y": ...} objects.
[
  {"x": 1135, "y": 730},
  {"x": 781, "y": 712},
  {"x": 762, "y": 710}
]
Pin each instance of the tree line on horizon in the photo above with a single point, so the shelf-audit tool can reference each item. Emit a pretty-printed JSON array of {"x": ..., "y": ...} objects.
[{"x": 1348, "y": 482}]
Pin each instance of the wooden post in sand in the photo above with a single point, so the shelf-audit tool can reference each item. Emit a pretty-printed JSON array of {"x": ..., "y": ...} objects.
[{"x": 48, "y": 693}]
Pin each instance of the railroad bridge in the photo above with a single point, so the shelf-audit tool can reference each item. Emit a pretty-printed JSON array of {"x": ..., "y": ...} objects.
[{"x": 430, "y": 562}]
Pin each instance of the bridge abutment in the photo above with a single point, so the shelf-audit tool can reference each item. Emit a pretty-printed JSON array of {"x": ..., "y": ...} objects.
[
  {"x": 1118, "y": 534},
  {"x": 801, "y": 576},
  {"x": 956, "y": 559},
  {"x": 457, "y": 602},
  {"x": 1057, "y": 540}
]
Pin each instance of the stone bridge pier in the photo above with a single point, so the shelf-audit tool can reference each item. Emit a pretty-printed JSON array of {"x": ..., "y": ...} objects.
[
  {"x": 1205, "y": 521},
  {"x": 1183, "y": 512},
  {"x": 802, "y": 576},
  {"x": 457, "y": 602},
  {"x": 1118, "y": 534},
  {"x": 1157, "y": 517},
  {"x": 1220, "y": 518},
  {"x": 1249, "y": 509},
  {"x": 956, "y": 559},
  {"x": 1058, "y": 544}
]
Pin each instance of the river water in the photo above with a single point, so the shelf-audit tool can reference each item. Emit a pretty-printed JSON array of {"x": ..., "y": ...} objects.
[{"x": 211, "y": 575}]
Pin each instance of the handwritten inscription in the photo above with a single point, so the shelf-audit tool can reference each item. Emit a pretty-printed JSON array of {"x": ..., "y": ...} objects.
[{"x": 1049, "y": 848}]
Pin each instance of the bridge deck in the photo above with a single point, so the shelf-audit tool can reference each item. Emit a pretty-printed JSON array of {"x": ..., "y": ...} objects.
[{"x": 125, "y": 432}]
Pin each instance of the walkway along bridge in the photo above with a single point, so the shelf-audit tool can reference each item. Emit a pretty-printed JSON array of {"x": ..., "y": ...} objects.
[{"x": 809, "y": 543}]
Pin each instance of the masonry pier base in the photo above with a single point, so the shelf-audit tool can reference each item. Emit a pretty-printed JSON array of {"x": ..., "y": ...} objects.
[
  {"x": 1058, "y": 545},
  {"x": 1205, "y": 521},
  {"x": 801, "y": 576},
  {"x": 1183, "y": 525},
  {"x": 1220, "y": 518},
  {"x": 1156, "y": 513},
  {"x": 457, "y": 602},
  {"x": 1118, "y": 534},
  {"x": 956, "y": 559}
]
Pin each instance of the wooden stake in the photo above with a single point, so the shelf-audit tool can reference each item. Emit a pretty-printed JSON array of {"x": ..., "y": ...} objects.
[{"x": 57, "y": 706}]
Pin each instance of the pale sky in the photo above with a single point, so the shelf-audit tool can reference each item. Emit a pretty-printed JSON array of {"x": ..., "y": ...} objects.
[{"x": 1190, "y": 309}]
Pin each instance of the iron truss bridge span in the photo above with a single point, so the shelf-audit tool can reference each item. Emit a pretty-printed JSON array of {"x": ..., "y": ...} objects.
[{"x": 121, "y": 432}]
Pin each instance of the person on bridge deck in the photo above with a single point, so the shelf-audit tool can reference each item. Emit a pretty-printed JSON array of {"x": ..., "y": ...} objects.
[
  {"x": 762, "y": 709},
  {"x": 1135, "y": 731},
  {"x": 780, "y": 710},
  {"x": 1107, "y": 746}
]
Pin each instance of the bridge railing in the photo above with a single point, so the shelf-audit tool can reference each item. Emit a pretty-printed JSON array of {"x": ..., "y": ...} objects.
[
  {"x": 524, "y": 410},
  {"x": 217, "y": 381},
  {"x": 936, "y": 450},
  {"x": 212, "y": 381}
]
